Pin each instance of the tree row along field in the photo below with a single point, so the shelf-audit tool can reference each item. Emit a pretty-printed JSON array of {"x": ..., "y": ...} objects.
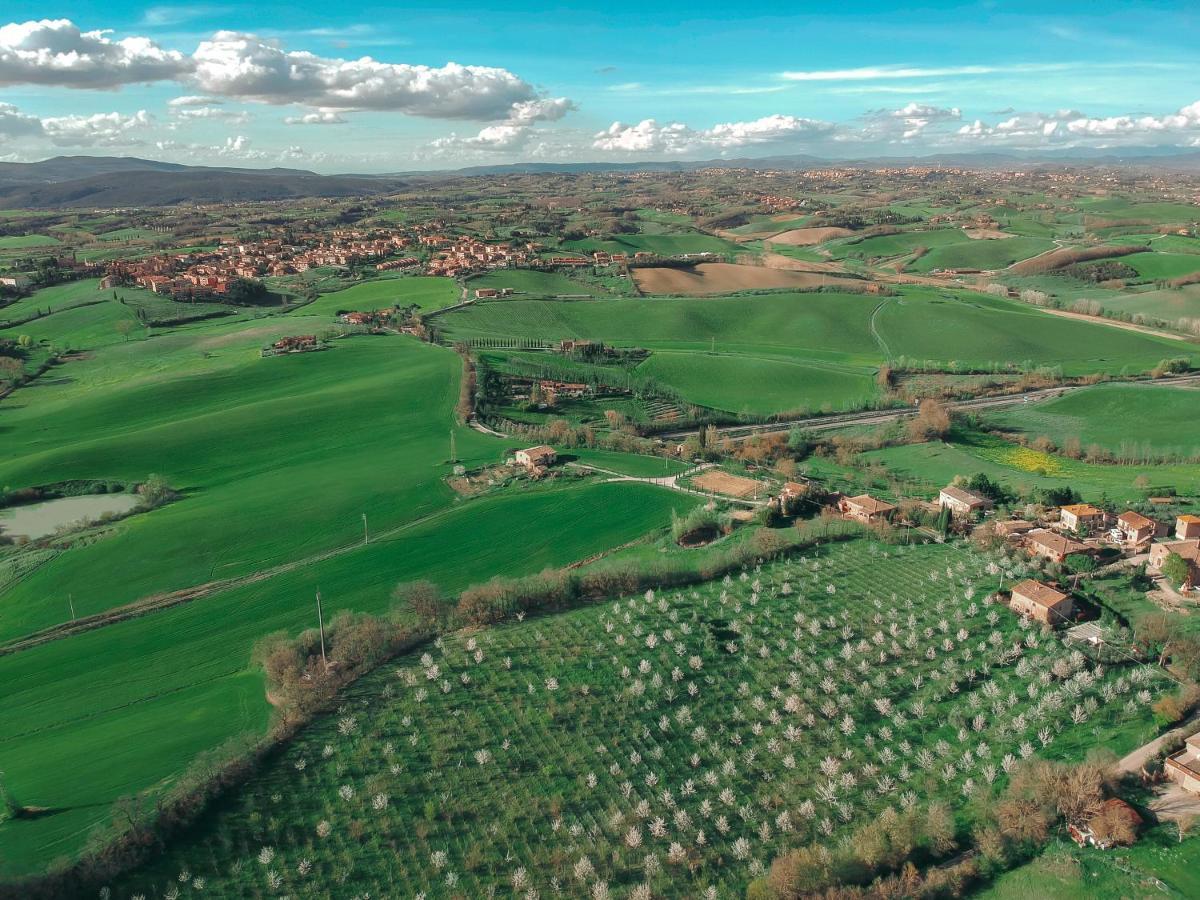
[{"x": 677, "y": 740}]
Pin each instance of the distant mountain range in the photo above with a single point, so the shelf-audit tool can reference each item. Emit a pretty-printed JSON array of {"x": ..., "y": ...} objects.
[{"x": 117, "y": 181}]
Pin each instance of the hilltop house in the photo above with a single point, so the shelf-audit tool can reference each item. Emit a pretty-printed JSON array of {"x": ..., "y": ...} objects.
[
  {"x": 962, "y": 504},
  {"x": 1052, "y": 545},
  {"x": 536, "y": 458},
  {"x": 866, "y": 509},
  {"x": 1135, "y": 528},
  {"x": 1041, "y": 602},
  {"x": 1080, "y": 516},
  {"x": 1187, "y": 527},
  {"x": 1184, "y": 767}
]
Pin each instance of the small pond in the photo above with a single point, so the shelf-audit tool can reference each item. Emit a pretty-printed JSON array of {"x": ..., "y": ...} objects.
[{"x": 40, "y": 519}]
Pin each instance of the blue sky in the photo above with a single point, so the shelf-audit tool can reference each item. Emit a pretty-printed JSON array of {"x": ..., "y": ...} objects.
[{"x": 273, "y": 84}]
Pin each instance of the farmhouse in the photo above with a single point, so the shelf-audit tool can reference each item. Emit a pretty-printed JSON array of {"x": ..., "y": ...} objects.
[
  {"x": 1189, "y": 550},
  {"x": 1135, "y": 528},
  {"x": 962, "y": 504},
  {"x": 1052, "y": 545},
  {"x": 536, "y": 458},
  {"x": 1081, "y": 516},
  {"x": 300, "y": 343},
  {"x": 1187, "y": 527},
  {"x": 865, "y": 508},
  {"x": 1184, "y": 767},
  {"x": 1041, "y": 602}
]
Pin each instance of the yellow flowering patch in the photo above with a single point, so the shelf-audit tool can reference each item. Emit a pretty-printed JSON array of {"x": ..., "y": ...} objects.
[{"x": 1026, "y": 459}]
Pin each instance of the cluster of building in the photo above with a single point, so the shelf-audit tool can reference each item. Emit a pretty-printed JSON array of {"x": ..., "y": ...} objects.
[
  {"x": 198, "y": 274},
  {"x": 458, "y": 256}
]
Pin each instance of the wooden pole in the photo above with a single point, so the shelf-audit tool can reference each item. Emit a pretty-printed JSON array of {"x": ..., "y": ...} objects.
[
  {"x": 366, "y": 534},
  {"x": 71, "y": 602}
]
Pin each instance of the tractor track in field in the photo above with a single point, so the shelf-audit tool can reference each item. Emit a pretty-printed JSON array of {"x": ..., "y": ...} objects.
[{"x": 158, "y": 602}]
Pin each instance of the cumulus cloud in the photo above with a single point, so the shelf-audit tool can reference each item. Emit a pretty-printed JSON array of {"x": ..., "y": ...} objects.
[
  {"x": 232, "y": 64},
  {"x": 187, "y": 114},
  {"x": 99, "y": 130},
  {"x": 319, "y": 117},
  {"x": 1069, "y": 126},
  {"x": 56, "y": 52},
  {"x": 649, "y": 136},
  {"x": 906, "y": 123},
  {"x": 513, "y": 133},
  {"x": 14, "y": 123}
]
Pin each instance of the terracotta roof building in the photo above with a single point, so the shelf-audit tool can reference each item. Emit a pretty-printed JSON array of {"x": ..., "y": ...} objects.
[
  {"x": 962, "y": 503},
  {"x": 865, "y": 508},
  {"x": 1052, "y": 545},
  {"x": 1041, "y": 602},
  {"x": 1136, "y": 528},
  {"x": 1078, "y": 516}
]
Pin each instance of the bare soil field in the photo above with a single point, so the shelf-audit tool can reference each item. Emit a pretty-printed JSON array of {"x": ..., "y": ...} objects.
[
  {"x": 807, "y": 237},
  {"x": 985, "y": 234},
  {"x": 719, "y": 482},
  {"x": 725, "y": 278}
]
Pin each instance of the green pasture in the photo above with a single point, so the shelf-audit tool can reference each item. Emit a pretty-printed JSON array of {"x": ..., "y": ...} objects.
[
  {"x": 123, "y": 708},
  {"x": 662, "y": 244},
  {"x": 27, "y": 241},
  {"x": 1126, "y": 418},
  {"x": 534, "y": 284},
  {"x": 982, "y": 254},
  {"x": 427, "y": 292},
  {"x": 761, "y": 385},
  {"x": 930, "y": 466}
]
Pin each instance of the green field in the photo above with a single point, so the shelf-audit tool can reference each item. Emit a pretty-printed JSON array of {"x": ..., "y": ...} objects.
[
  {"x": 1126, "y": 418},
  {"x": 427, "y": 292},
  {"x": 761, "y": 385},
  {"x": 277, "y": 461},
  {"x": 534, "y": 284},
  {"x": 928, "y": 467},
  {"x": 617, "y": 730},
  {"x": 27, "y": 241},
  {"x": 988, "y": 254}
]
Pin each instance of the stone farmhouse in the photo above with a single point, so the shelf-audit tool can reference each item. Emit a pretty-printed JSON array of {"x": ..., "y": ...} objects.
[
  {"x": 866, "y": 509},
  {"x": 536, "y": 458},
  {"x": 1081, "y": 516},
  {"x": 961, "y": 503},
  {"x": 1041, "y": 602},
  {"x": 1184, "y": 767}
]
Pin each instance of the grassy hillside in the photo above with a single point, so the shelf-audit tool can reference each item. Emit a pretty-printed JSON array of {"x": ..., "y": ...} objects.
[
  {"x": 969, "y": 328},
  {"x": 761, "y": 385},
  {"x": 1118, "y": 417},
  {"x": 427, "y": 292}
]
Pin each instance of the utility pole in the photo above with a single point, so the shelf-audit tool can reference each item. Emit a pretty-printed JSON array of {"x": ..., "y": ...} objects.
[
  {"x": 321, "y": 626},
  {"x": 366, "y": 534},
  {"x": 714, "y": 343},
  {"x": 453, "y": 451},
  {"x": 71, "y": 603}
]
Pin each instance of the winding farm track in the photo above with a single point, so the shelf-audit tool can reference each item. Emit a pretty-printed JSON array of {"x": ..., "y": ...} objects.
[{"x": 887, "y": 353}]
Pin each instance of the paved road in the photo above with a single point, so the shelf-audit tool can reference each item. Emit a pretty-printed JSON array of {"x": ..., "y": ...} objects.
[
  {"x": 1132, "y": 762},
  {"x": 879, "y": 417}
]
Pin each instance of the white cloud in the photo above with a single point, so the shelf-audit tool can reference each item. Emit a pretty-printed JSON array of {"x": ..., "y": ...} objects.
[
  {"x": 513, "y": 133},
  {"x": 210, "y": 112},
  {"x": 56, "y": 52},
  {"x": 1071, "y": 127},
  {"x": 904, "y": 124},
  {"x": 242, "y": 65},
  {"x": 99, "y": 130},
  {"x": 871, "y": 73},
  {"x": 648, "y": 136},
  {"x": 320, "y": 117},
  {"x": 14, "y": 123},
  {"x": 193, "y": 100}
]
